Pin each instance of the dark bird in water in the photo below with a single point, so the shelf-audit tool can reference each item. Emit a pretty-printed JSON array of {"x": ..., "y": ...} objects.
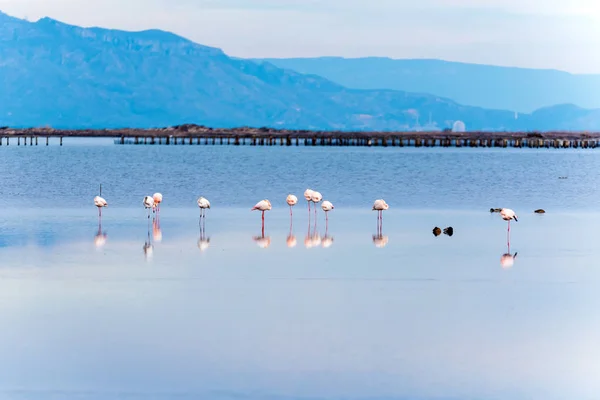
[
  {"x": 449, "y": 231},
  {"x": 437, "y": 231},
  {"x": 540, "y": 211},
  {"x": 495, "y": 210}
]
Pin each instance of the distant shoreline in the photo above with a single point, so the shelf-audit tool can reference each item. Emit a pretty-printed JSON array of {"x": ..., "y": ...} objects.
[{"x": 197, "y": 131}]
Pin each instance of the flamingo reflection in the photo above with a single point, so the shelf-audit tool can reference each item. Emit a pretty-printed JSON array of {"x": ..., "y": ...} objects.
[
  {"x": 148, "y": 247},
  {"x": 312, "y": 239},
  {"x": 291, "y": 239},
  {"x": 262, "y": 241},
  {"x": 508, "y": 260},
  {"x": 203, "y": 241},
  {"x": 100, "y": 238},
  {"x": 156, "y": 231},
  {"x": 380, "y": 240},
  {"x": 327, "y": 240}
]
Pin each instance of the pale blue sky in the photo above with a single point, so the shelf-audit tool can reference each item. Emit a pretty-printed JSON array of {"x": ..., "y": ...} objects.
[{"x": 561, "y": 34}]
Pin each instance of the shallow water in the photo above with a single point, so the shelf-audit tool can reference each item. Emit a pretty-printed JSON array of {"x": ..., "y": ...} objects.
[{"x": 225, "y": 316}]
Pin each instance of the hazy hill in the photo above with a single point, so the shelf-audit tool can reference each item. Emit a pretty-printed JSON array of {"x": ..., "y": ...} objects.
[
  {"x": 518, "y": 89},
  {"x": 68, "y": 77}
]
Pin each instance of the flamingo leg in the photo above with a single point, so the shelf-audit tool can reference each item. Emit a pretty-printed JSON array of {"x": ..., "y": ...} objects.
[{"x": 290, "y": 211}]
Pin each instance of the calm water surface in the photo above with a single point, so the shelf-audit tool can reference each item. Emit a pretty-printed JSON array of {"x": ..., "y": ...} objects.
[{"x": 171, "y": 311}]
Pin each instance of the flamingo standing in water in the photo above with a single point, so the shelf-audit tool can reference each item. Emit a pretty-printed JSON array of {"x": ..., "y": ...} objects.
[
  {"x": 203, "y": 204},
  {"x": 263, "y": 205},
  {"x": 308, "y": 196},
  {"x": 157, "y": 197},
  {"x": 292, "y": 201},
  {"x": 100, "y": 203},
  {"x": 380, "y": 205},
  {"x": 327, "y": 206},
  {"x": 316, "y": 198},
  {"x": 507, "y": 214},
  {"x": 148, "y": 204}
]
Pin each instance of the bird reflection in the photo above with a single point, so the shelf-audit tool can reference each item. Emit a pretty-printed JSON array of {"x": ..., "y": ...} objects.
[
  {"x": 148, "y": 247},
  {"x": 203, "y": 241},
  {"x": 262, "y": 241},
  {"x": 327, "y": 240},
  {"x": 508, "y": 260},
  {"x": 380, "y": 240},
  {"x": 291, "y": 239},
  {"x": 312, "y": 239},
  {"x": 156, "y": 231},
  {"x": 100, "y": 238}
]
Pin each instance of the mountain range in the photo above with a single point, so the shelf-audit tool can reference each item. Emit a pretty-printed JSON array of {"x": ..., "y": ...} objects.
[
  {"x": 507, "y": 88},
  {"x": 64, "y": 76}
]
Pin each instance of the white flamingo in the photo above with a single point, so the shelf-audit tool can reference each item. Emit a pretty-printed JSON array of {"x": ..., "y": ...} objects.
[
  {"x": 327, "y": 206},
  {"x": 203, "y": 204},
  {"x": 263, "y": 205},
  {"x": 316, "y": 198},
  {"x": 291, "y": 200},
  {"x": 507, "y": 214},
  {"x": 380, "y": 205},
  {"x": 157, "y": 197},
  {"x": 148, "y": 204},
  {"x": 308, "y": 196},
  {"x": 100, "y": 203}
]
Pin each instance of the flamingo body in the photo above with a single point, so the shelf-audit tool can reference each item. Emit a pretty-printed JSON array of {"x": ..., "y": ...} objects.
[
  {"x": 507, "y": 214},
  {"x": 380, "y": 205},
  {"x": 308, "y": 194},
  {"x": 316, "y": 197},
  {"x": 100, "y": 202},
  {"x": 291, "y": 200},
  {"x": 148, "y": 202},
  {"x": 263, "y": 205},
  {"x": 327, "y": 206}
]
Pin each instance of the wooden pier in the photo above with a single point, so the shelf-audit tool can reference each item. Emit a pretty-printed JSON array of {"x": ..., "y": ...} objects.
[{"x": 200, "y": 135}]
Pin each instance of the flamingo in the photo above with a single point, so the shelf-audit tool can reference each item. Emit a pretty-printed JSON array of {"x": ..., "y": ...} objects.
[
  {"x": 507, "y": 214},
  {"x": 203, "y": 204},
  {"x": 292, "y": 201},
  {"x": 308, "y": 196},
  {"x": 327, "y": 206},
  {"x": 157, "y": 197},
  {"x": 263, "y": 205},
  {"x": 100, "y": 203},
  {"x": 316, "y": 198},
  {"x": 148, "y": 204},
  {"x": 380, "y": 205}
]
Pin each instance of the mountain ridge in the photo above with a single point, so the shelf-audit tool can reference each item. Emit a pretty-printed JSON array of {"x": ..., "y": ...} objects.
[
  {"x": 489, "y": 86},
  {"x": 67, "y": 76}
]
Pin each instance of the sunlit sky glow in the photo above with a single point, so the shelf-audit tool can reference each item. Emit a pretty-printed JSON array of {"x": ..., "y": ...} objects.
[{"x": 529, "y": 33}]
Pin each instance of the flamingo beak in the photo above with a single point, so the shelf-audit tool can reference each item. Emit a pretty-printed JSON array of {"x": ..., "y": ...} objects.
[{"x": 515, "y": 217}]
